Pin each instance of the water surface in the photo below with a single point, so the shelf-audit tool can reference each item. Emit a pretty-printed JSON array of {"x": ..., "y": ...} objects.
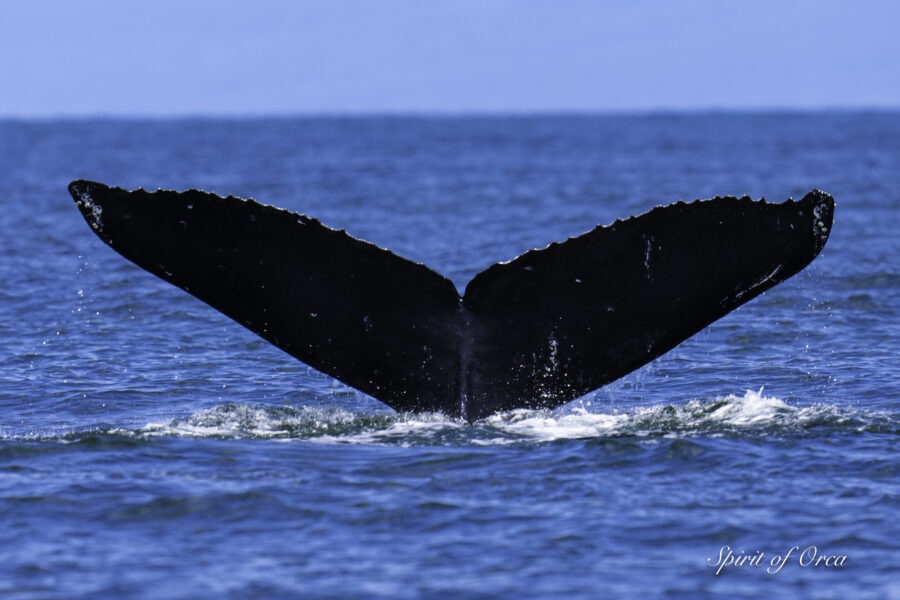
[{"x": 150, "y": 447}]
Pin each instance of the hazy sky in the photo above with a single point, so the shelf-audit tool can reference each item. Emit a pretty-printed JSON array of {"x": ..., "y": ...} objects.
[{"x": 165, "y": 57}]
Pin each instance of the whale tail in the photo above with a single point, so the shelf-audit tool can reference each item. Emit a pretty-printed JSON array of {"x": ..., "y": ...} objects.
[{"x": 537, "y": 331}]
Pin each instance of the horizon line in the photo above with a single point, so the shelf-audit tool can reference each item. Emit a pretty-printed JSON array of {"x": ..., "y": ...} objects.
[{"x": 445, "y": 113}]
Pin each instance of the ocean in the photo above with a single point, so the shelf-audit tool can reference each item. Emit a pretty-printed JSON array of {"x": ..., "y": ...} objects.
[{"x": 152, "y": 448}]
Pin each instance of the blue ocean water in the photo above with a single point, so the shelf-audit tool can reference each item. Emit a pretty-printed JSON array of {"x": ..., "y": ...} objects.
[{"x": 150, "y": 447}]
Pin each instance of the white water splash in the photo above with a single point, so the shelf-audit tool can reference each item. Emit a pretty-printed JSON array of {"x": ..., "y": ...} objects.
[
  {"x": 695, "y": 417},
  {"x": 249, "y": 421},
  {"x": 751, "y": 413}
]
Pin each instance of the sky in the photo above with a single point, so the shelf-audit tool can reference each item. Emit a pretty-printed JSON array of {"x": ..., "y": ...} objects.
[{"x": 279, "y": 57}]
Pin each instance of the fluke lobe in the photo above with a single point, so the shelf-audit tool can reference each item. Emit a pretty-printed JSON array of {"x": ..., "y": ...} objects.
[{"x": 537, "y": 331}]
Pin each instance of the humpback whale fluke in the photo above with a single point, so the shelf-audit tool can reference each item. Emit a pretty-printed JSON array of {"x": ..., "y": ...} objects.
[{"x": 537, "y": 331}]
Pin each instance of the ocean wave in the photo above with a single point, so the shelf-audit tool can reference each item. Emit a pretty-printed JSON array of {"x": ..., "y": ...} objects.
[{"x": 752, "y": 413}]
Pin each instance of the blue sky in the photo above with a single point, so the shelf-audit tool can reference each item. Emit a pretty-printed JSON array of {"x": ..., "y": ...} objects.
[{"x": 165, "y": 57}]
